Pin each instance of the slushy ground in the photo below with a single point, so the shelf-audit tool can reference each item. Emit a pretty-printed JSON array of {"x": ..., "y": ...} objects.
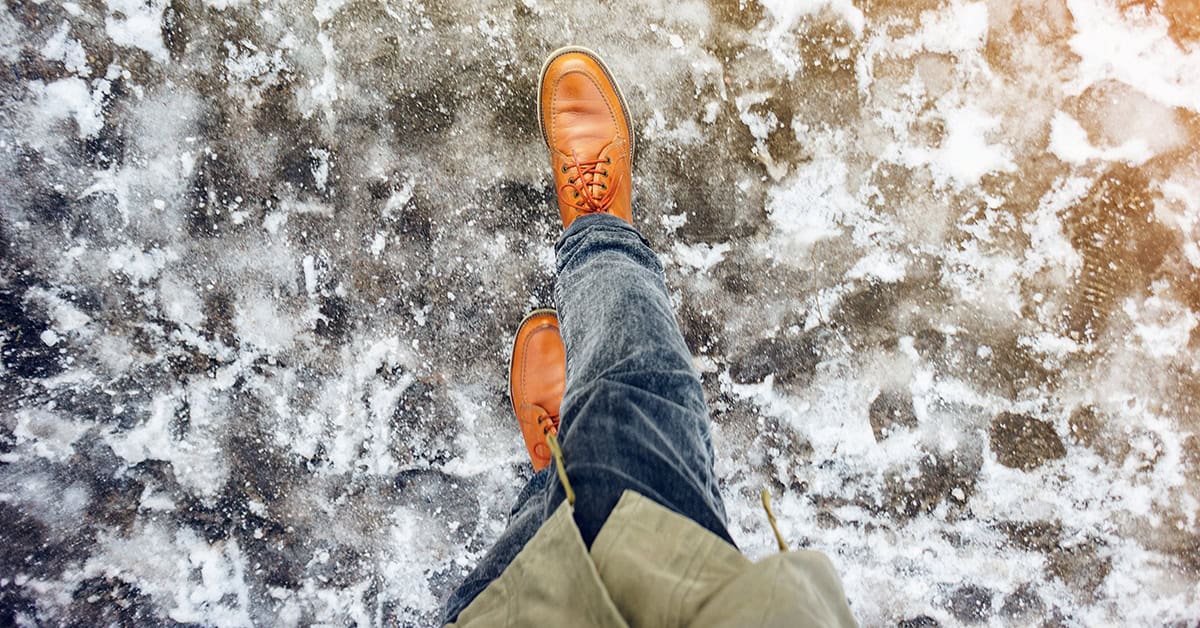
[{"x": 263, "y": 260}]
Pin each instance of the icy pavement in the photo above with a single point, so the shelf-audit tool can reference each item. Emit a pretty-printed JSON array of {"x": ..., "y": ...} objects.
[{"x": 262, "y": 261}]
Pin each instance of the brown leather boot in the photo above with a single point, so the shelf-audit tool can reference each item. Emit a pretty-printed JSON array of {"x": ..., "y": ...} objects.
[
  {"x": 536, "y": 378},
  {"x": 587, "y": 128}
]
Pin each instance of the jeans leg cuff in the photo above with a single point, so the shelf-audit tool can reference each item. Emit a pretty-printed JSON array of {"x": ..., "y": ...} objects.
[
  {"x": 602, "y": 222},
  {"x": 587, "y": 221}
]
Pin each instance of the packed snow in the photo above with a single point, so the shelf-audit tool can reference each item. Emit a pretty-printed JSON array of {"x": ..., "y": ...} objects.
[{"x": 937, "y": 261}]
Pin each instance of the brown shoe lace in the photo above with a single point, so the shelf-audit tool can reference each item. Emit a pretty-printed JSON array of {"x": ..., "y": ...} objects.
[
  {"x": 548, "y": 422},
  {"x": 586, "y": 173}
]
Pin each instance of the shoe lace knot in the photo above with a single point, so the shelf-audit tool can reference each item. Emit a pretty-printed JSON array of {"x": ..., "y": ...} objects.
[{"x": 587, "y": 189}]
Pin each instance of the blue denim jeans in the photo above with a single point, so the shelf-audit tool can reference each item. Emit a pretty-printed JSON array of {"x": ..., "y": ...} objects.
[{"x": 633, "y": 413}]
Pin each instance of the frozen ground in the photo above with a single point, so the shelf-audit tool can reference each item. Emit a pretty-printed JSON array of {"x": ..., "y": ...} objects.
[{"x": 262, "y": 262}]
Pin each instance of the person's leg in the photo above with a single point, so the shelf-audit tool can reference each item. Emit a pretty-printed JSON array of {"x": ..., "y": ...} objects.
[
  {"x": 527, "y": 515},
  {"x": 537, "y": 376},
  {"x": 633, "y": 415}
]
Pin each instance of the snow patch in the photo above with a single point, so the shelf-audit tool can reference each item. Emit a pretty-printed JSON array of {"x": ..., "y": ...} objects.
[
  {"x": 1163, "y": 325},
  {"x": 140, "y": 266},
  {"x": 1133, "y": 46},
  {"x": 961, "y": 27},
  {"x": 71, "y": 98},
  {"x": 700, "y": 256},
  {"x": 137, "y": 24},
  {"x": 47, "y": 435},
  {"x": 810, "y": 205},
  {"x": 262, "y": 324},
  {"x": 783, "y": 31},
  {"x": 69, "y": 51},
  {"x": 965, "y": 155},
  {"x": 180, "y": 302},
  {"x": 197, "y": 581},
  {"x": 1069, "y": 142}
]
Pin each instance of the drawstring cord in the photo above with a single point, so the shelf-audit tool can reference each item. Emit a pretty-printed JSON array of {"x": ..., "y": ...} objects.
[
  {"x": 549, "y": 424},
  {"x": 560, "y": 466},
  {"x": 766, "y": 502}
]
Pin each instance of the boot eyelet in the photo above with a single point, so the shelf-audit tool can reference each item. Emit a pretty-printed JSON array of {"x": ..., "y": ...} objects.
[
  {"x": 608, "y": 160},
  {"x": 564, "y": 170}
]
